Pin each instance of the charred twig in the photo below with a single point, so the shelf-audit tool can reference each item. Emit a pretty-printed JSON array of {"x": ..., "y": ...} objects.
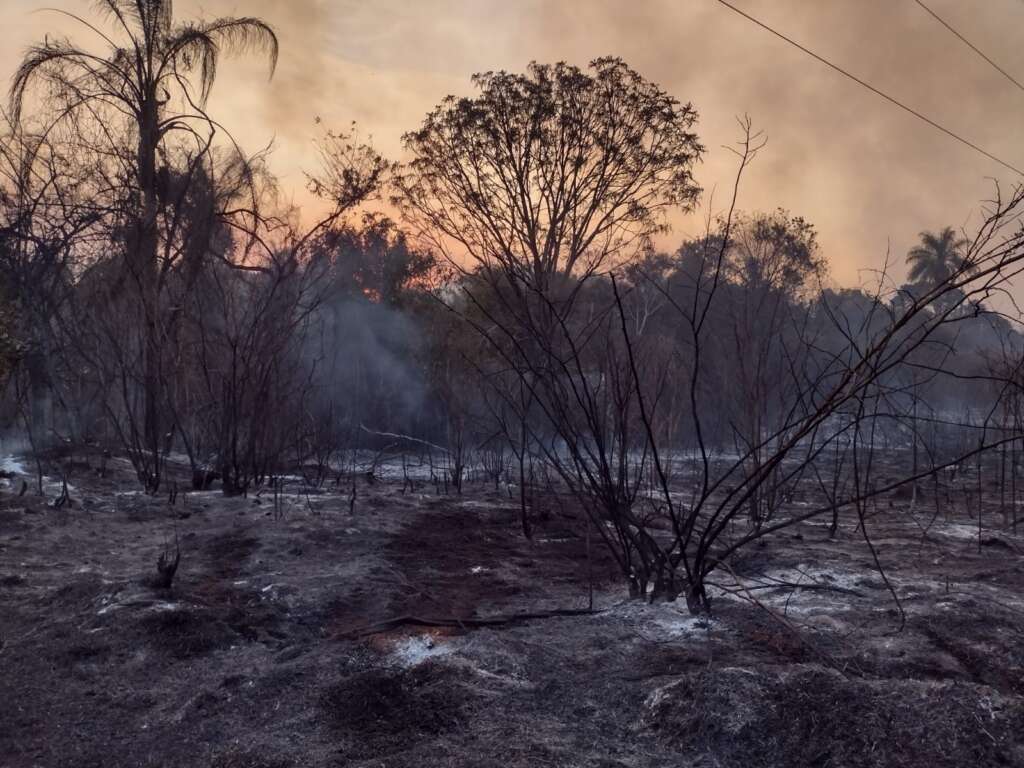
[{"x": 167, "y": 567}]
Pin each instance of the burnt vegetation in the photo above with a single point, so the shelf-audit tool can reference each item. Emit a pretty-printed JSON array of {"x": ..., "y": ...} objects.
[{"x": 475, "y": 469}]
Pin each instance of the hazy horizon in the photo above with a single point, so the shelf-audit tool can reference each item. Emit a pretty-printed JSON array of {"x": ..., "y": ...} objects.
[{"x": 866, "y": 174}]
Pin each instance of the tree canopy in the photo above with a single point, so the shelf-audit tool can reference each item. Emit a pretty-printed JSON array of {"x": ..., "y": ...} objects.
[
  {"x": 936, "y": 257},
  {"x": 551, "y": 172}
]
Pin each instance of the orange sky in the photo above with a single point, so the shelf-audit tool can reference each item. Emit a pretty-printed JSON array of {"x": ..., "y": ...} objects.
[{"x": 866, "y": 174}]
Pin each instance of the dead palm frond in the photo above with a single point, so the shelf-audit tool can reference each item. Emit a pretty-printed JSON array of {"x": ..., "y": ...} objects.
[{"x": 157, "y": 59}]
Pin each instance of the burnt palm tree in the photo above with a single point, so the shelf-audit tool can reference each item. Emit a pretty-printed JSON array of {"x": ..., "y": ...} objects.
[
  {"x": 155, "y": 75},
  {"x": 937, "y": 258}
]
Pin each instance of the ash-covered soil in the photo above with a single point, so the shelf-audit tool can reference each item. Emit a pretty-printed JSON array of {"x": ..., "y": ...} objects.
[{"x": 301, "y": 633}]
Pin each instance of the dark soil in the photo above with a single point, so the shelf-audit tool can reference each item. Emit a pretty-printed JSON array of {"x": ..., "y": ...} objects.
[{"x": 283, "y": 640}]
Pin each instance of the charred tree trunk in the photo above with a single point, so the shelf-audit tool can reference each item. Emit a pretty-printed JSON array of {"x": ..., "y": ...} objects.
[
  {"x": 40, "y": 403},
  {"x": 147, "y": 275}
]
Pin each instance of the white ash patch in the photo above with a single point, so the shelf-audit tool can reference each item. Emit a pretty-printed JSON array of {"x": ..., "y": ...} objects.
[
  {"x": 657, "y": 496},
  {"x": 660, "y": 619},
  {"x": 500, "y": 505},
  {"x": 963, "y": 531},
  {"x": 392, "y": 469},
  {"x": 164, "y": 607},
  {"x": 15, "y": 466},
  {"x": 810, "y": 576},
  {"x": 282, "y": 479},
  {"x": 154, "y": 606},
  {"x": 801, "y": 589},
  {"x": 678, "y": 624},
  {"x": 413, "y": 651},
  {"x": 12, "y": 465}
]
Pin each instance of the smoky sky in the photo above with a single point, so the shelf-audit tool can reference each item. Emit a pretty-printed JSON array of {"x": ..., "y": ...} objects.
[{"x": 866, "y": 174}]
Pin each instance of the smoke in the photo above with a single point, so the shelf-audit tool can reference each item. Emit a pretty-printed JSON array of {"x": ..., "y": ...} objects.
[
  {"x": 366, "y": 365},
  {"x": 299, "y": 86},
  {"x": 867, "y": 174}
]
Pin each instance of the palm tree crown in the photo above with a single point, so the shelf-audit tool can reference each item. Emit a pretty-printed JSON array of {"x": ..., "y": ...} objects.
[
  {"x": 138, "y": 77},
  {"x": 937, "y": 258}
]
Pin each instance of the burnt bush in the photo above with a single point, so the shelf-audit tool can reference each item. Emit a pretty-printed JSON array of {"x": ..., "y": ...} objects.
[
  {"x": 12, "y": 580},
  {"x": 185, "y": 633},
  {"x": 816, "y": 717},
  {"x": 378, "y": 708}
]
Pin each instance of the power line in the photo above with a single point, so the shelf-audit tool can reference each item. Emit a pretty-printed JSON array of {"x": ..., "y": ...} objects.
[
  {"x": 970, "y": 45},
  {"x": 874, "y": 90}
]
